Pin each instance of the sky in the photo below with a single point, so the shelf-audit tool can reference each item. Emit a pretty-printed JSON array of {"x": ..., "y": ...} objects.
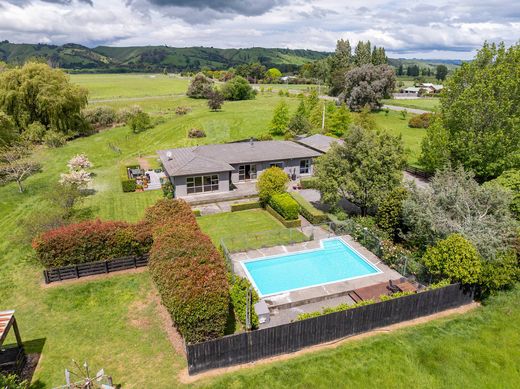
[{"x": 412, "y": 29}]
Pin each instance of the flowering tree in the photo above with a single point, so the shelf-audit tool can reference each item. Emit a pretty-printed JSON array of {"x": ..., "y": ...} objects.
[
  {"x": 79, "y": 178},
  {"x": 79, "y": 162}
]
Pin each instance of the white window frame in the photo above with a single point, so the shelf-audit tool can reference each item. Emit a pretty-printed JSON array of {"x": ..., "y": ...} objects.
[{"x": 307, "y": 168}]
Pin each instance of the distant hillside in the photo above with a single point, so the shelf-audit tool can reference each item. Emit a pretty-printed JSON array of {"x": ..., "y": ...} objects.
[
  {"x": 153, "y": 58},
  {"x": 451, "y": 64}
]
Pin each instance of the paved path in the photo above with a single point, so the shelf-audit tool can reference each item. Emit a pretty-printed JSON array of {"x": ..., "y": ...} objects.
[{"x": 410, "y": 110}]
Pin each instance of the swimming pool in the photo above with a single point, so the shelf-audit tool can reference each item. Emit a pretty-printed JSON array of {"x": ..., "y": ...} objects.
[{"x": 334, "y": 261}]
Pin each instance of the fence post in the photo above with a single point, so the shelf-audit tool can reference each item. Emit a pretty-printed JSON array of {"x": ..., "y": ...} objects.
[
  {"x": 135, "y": 262},
  {"x": 106, "y": 267},
  {"x": 77, "y": 272},
  {"x": 46, "y": 276}
]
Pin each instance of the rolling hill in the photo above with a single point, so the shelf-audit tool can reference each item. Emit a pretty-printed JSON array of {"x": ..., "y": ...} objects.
[{"x": 153, "y": 58}]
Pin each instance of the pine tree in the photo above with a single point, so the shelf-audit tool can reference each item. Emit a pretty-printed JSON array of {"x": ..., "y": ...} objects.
[{"x": 363, "y": 53}]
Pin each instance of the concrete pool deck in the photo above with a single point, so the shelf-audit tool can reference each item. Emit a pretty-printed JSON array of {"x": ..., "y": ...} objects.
[{"x": 285, "y": 306}]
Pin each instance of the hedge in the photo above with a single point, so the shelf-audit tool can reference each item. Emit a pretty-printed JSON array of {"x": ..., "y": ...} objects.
[
  {"x": 189, "y": 272},
  {"x": 197, "y": 213},
  {"x": 91, "y": 241},
  {"x": 245, "y": 206},
  {"x": 308, "y": 183},
  {"x": 129, "y": 185},
  {"x": 286, "y": 223},
  {"x": 285, "y": 205},
  {"x": 238, "y": 294},
  {"x": 308, "y": 211}
]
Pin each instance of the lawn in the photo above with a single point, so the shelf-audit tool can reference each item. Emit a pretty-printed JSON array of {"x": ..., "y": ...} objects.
[
  {"x": 394, "y": 123},
  {"x": 480, "y": 349},
  {"x": 249, "y": 229},
  {"x": 427, "y": 104}
]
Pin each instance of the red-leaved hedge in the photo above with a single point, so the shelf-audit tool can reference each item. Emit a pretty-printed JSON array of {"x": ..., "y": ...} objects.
[
  {"x": 189, "y": 272},
  {"x": 91, "y": 241}
]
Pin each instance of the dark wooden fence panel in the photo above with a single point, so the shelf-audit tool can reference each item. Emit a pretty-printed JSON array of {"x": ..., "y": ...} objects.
[
  {"x": 93, "y": 268},
  {"x": 287, "y": 338}
]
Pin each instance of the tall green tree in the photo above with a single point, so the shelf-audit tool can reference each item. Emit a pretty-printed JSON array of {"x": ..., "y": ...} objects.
[
  {"x": 435, "y": 152},
  {"x": 36, "y": 92},
  {"x": 340, "y": 121},
  {"x": 363, "y": 170},
  {"x": 8, "y": 131},
  {"x": 238, "y": 88},
  {"x": 379, "y": 56},
  {"x": 340, "y": 63},
  {"x": 368, "y": 85},
  {"x": 441, "y": 72},
  {"x": 363, "y": 53},
  {"x": 280, "y": 120},
  {"x": 480, "y": 108}
]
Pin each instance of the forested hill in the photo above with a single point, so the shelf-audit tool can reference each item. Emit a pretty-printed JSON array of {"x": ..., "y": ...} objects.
[{"x": 153, "y": 58}]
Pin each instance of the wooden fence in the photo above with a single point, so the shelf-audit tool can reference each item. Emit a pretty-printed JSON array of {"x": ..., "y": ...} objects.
[
  {"x": 93, "y": 268},
  {"x": 418, "y": 172},
  {"x": 287, "y": 338}
]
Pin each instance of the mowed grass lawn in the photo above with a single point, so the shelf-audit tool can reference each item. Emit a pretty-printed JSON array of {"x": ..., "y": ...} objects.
[
  {"x": 247, "y": 229},
  {"x": 428, "y": 104}
]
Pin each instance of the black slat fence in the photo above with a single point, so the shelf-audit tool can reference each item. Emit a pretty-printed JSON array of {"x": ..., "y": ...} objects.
[
  {"x": 92, "y": 268},
  {"x": 251, "y": 346}
]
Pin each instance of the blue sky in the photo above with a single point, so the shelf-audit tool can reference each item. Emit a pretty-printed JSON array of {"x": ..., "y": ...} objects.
[{"x": 433, "y": 29}]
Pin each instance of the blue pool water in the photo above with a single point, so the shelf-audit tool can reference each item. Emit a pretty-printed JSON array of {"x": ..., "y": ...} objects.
[{"x": 334, "y": 261}]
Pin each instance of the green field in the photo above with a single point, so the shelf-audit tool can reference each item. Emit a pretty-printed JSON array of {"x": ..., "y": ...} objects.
[
  {"x": 113, "y": 86},
  {"x": 113, "y": 323},
  {"x": 428, "y": 104}
]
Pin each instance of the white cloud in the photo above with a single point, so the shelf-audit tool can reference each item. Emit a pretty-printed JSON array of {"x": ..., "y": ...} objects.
[{"x": 441, "y": 29}]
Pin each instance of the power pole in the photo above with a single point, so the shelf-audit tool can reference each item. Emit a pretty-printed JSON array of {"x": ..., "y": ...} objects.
[{"x": 323, "y": 118}]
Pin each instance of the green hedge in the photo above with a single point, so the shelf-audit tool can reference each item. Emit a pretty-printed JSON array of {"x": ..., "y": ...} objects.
[
  {"x": 285, "y": 205},
  {"x": 189, "y": 272},
  {"x": 129, "y": 185},
  {"x": 238, "y": 294},
  {"x": 245, "y": 206},
  {"x": 308, "y": 183},
  {"x": 196, "y": 212},
  {"x": 308, "y": 211},
  {"x": 286, "y": 223}
]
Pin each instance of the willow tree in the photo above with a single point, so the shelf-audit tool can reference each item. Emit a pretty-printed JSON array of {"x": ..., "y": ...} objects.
[{"x": 38, "y": 93}]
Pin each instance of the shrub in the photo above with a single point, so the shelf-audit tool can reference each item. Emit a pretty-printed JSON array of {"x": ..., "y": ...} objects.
[
  {"x": 197, "y": 212},
  {"x": 308, "y": 211},
  {"x": 454, "y": 258},
  {"x": 91, "y": 241},
  {"x": 125, "y": 114},
  {"x": 54, "y": 139},
  {"x": 167, "y": 211},
  {"x": 140, "y": 122},
  {"x": 35, "y": 133},
  {"x": 265, "y": 137},
  {"x": 190, "y": 276},
  {"x": 168, "y": 190},
  {"x": 281, "y": 219},
  {"x": 100, "y": 116},
  {"x": 245, "y": 206},
  {"x": 238, "y": 88},
  {"x": 389, "y": 215},
  {"x": 200, "y": 87},
  {"x": 420, "y": 121},
  {"x": 196, "y": 133},
  {"x": 386, "y": 297},
  {"x": 182, "y": 110},
  {"x": 308, "y": 183},
  {"x": 285, "y": 205},
  {"x": 510, "y": 179},
  {"x": 215, "y": 100},
  {"x": 129, "y": 185},
  {"x": 339, "y": 308},
  {"x": 238, "y": 294},
  {"x": 272, "y": 181}
]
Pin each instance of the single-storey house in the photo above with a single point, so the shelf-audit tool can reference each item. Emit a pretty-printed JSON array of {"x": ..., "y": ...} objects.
[
  {"x": 216, "y": 167},
  {"x": 432, "y": 88}
]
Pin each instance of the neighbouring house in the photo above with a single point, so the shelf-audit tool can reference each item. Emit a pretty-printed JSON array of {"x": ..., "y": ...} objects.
[
  {"x": 431, "y": 88},
  {"x": 218, "y": 167}
]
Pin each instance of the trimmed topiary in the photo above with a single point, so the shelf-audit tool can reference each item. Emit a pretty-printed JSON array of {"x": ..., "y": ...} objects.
[{"x": 285, "y": 205}]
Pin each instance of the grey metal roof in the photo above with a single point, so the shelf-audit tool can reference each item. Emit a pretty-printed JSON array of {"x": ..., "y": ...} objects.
[
  {"x": 219, "y": 157},
  {"x": 320, "y": 142}
]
